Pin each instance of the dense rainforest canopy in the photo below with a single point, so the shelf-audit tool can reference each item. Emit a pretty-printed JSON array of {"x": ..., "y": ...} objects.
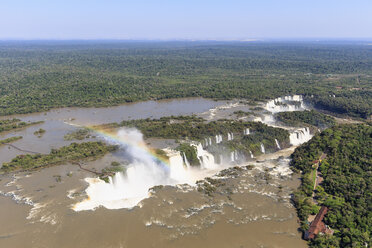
[
  {"x": 300, "y": 118},
  {"x": 197, "y": 129},
  {"x": 37, "y": 76},
  {"x": 346, "y": 188}
]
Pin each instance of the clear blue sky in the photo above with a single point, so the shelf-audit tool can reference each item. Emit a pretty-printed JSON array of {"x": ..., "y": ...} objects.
[{"x": 185, "y": 19}]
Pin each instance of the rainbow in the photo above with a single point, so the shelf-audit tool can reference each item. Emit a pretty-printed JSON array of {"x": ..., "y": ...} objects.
[{"x": 112, "y": 136}]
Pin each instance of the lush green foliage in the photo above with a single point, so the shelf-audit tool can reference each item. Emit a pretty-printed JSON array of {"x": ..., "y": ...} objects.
[
  {"x": 351, "y": 101},
  {"x": 301, "y": 118},
  {"x": 64, "y": 154},
  {"x": 11, "y": 124},
  {"x": 79, "y": 134},
  {"x": 347, "y": 184},
  {"x": 241, "y": 113},
  {"x": 39, "y": 132},
  {"x": 9, "y": 140},
  {"x": 37, "y": 76},
  {"x": 190, "y": 153},
  {"x": 194, "y": 128}
]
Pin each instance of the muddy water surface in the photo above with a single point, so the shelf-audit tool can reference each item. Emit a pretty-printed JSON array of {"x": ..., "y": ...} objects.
[{"x": 251, "y": 208}]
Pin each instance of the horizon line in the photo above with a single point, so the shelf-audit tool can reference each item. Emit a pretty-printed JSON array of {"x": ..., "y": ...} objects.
[{"x": 196, "y": 40}]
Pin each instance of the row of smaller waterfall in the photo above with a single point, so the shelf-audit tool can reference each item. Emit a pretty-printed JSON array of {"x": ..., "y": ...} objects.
[
  {"x": 208, "y": 141},
  {"x": 219, "y": 139},
  {"x": 282, "y": 104}
]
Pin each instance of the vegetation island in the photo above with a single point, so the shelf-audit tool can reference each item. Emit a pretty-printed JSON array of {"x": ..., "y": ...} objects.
[
  {"x": 67, "y": 154},
  {"x": 192, "y": 128}
]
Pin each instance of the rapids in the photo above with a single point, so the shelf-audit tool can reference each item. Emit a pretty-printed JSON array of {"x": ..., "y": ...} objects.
[
  {"x": 126, "y": 189},
  {"x": 247, "y": 208}
]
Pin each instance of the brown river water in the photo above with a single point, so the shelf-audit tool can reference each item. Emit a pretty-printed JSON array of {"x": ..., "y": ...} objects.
[{"x": 251, "y": 209}]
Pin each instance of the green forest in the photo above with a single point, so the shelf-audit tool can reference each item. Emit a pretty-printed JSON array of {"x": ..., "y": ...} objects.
[
  {"x": 300, "y": 118},
  {"x": 37, "y": 76},
  {"x": 197, "y": 129},
  {"x": 10, "y": 140},
  {"x": 346, "y": 188},
  {"x": 79, "y": 134},
  {"x": 70, "y": 153},
  {"x": 13, "y": 124}
]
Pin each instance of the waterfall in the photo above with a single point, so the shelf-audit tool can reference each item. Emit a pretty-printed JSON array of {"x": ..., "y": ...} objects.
[
  {"x": 206, "y": 159},
  {"x": 246, "y": 131},
  {"x": 218, "y": 138},
  {"x": 234, "y": 156},
  {"x": 221, "y": 158},
  {"x": 251, "y": 154},
  {"x": 207, "y": 142},
  {"x": 177, "y": 165},
  {"x": 285, "y": 103},
  {"x": 185, "y": 161},
  {"x": 277, "y": 144},
  {"x": 126, "y": 189},
  {"x": 262, "y": 148},
  {"x": 230, "y": 136},
  {"x": 300, "y": 136}
]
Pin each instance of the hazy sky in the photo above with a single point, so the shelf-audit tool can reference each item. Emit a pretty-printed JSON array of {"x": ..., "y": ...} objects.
[{"x": 184, "y": 19}]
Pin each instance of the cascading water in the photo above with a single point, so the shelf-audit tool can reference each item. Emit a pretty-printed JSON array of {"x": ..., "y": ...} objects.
[
  {"x": 246, "y": 131},
  {"x": 218, "y": 138},
  {"x": 262, "y": 148},
  {"x": 208, "y": 142},
  {"x": 282, "y": 104},
  {"x": 277, "y": 144},
  {"x": 206, "y": 159},
  {"x": 178, "y": 165},
  {"x": 230, "y": 136},
  {"x": 300, "y": 136},
  {"x": 127, "y": 189},
  {"x": 185, "y": 161},
  {"x": 234, "y": 156},
  {"x": 251, "y": 154}
]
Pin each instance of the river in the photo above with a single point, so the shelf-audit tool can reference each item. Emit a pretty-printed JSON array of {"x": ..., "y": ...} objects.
[{"x": 251, "y": 209}]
